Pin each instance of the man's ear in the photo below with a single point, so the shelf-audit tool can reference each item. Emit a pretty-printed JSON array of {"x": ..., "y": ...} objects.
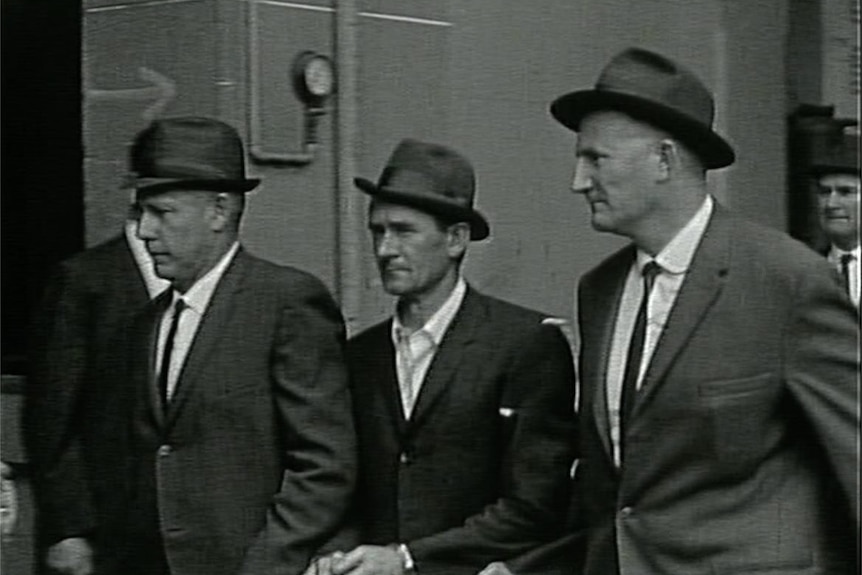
[
  {"x": 221, "y": 212},
  {"x": 668, "y": 158},
  {"x": 459, "y": 238}
]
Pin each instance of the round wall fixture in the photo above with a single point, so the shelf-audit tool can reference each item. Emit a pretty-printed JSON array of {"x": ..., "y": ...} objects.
[{"x": 313, "y": 78}]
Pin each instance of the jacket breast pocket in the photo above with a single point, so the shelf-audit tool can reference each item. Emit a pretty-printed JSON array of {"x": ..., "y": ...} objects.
[
  {"x": 729, "y": 388},
  {"x": 741, "y": 417}
]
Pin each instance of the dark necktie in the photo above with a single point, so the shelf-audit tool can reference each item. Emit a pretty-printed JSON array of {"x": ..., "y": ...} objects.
[
  {"x": 845, "y": 271},
  {"x": 633, "y": 359},
  {"x": 179, "y": 306}
]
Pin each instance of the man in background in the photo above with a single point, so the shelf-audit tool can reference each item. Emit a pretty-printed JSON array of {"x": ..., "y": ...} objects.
[
  {"x": 464, "y": 403},
  {"x": 79, "y": 343},
  {"x": 838, "y": 182}
]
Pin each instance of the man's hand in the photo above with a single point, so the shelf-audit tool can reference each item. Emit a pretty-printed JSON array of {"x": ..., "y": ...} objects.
[
  {"x": 323, "y": 565},
  {"x": 496, "y": 568},
  {"x": 370, "y": 560},
  {"x": 73, "y": 556}
]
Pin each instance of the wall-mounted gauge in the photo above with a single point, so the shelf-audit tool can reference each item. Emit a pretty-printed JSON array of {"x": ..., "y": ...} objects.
[{"x": 313, "y": 78}]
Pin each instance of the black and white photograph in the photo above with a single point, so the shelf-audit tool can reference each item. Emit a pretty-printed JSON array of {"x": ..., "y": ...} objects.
[{"x": 434, "y": 287}]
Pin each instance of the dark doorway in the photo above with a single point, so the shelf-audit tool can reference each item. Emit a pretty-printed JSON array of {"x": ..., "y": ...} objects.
[{"x": 42, "y": 182}]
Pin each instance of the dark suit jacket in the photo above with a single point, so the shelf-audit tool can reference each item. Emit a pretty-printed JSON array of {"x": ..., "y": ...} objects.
[
  {"x": 77, "y": 354},
  {"x": 252, "y": 466},
  {"x": 480, "y": 471},
  {"x": 742, "y": 450}
]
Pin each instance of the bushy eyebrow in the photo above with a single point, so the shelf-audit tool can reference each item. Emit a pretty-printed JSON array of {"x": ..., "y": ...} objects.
[
  {"x": 397, "y": 226},
  {"x": 843, "y": 189}
]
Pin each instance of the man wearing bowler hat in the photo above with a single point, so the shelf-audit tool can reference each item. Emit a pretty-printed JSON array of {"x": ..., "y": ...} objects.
[
  {"x": 719, "y": 406},
  {"x": 836, "y": 170},
  {"x": 233, "y": 425},
  {"x": 463, "y": 402}
]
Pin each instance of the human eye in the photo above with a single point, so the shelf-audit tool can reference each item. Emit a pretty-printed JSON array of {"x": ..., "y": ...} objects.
[
  {"x": 161, "y": 209},
  {"x": 590, "y": 156},
  {"x": 403, "y": 229}
]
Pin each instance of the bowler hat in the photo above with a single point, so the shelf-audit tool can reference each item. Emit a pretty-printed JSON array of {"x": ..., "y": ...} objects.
[
  {"x": 656, "y": 90},
  {"x": 431, "y": 178},
  {"x": 189, "y": 153},
  {"x": 840, "y": 155}
]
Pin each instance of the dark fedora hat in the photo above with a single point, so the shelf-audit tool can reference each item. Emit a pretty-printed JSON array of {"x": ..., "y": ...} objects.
[
  {"x": 656, "y": 90},
  {"x": 431, "y": 178},
  {"x": 840, "y": 154},
  {"x": 189, "y": 153}
]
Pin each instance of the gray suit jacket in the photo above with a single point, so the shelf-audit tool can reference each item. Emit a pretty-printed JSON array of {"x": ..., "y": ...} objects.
[
  {"x": 742, "y": 450},
  {"x": 252, "y": 466}
]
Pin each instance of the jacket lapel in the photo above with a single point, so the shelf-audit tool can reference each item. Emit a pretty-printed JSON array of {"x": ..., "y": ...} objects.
[
  {"x": 454, "y": 346},
  {"x": 212, "y": 326},
  {"x": 154, "y": 312},
  {"x": 602, "y": 333},
  {"x": 700, "y": 288}
]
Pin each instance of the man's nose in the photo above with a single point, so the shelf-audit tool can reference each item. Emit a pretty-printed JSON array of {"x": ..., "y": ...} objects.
[
  {"x": 387, "y": 245},
  {"x": 146, "y": 226},
  {"x": 582, "y": 181}
]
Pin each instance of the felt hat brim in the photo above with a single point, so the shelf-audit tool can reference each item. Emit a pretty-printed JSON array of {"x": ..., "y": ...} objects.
[
  {"x": 570, "y": 109},
  {"x": 158, "y": 185},
  {"x": 432, "y": 204}
]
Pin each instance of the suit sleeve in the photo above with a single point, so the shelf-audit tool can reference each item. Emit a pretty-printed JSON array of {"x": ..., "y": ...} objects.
[
  {"x": 535, "y": 484},
  {"x": 312, "y": 398},
  {"x": 822, "y": 371},
  {"x": 51, "y": 419}
]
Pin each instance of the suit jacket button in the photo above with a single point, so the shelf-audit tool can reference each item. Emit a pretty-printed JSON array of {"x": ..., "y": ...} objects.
[
  {"x": 626, "y": 512},
  {"x": 405, "y": 458},
  {"x": 165, "y": 450}
]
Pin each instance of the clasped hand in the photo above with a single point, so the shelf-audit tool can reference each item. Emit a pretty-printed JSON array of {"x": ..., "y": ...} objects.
[{"x": 363, "y": 560}]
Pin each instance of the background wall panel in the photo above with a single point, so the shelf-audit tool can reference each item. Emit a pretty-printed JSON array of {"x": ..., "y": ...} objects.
[
  {"x": 124, "y": 46},
  {"x": 476, "y": 75}
]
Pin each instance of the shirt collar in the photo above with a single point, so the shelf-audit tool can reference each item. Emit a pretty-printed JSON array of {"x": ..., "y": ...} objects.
[
  {"x": 437, "y": 324},
  {"x": 198, "y": 296},
  {"x": 676, "y": 256},
  {"x": 835, "y": 253},
  {"x": 154, "y": 284}
]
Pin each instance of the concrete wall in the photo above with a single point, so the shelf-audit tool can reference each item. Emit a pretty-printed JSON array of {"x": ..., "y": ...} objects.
[{"x": 476, "y": 75}]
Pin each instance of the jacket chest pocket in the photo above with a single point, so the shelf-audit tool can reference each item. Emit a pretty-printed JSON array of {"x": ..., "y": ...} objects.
[{"x": 741, "y": 416}]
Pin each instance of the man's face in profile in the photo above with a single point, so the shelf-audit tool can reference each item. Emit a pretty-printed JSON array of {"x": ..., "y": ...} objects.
[{"x": 838, "y": 208}]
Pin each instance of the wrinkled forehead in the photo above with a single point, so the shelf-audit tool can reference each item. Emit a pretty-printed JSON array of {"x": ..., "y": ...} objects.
[
  {"x": 380, "y": 211},
  {"x": 840, "y": 181},
  {"x": 610, "y": 128},
  {"x": 176, "y": 198}
]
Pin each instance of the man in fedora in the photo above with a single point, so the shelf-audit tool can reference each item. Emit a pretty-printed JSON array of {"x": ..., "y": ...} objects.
[
  {"x": 719, "y": 404},
  {"x": 463, "y": 402},
  {"x": 836, "y": 170},
  {"x": 233, "y": 422}
]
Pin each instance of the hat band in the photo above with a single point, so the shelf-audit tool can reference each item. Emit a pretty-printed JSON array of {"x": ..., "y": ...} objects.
[
  {"x": 416, "y": 183},
  {"x": 184, "y": 169}
]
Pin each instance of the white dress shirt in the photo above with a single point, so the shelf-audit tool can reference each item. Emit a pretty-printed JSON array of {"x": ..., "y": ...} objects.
[
  {"x": 415, "y": 351},
  {"x": 674, "y": 261},
  {"x": 197, "y": 299},
  {"x": 834, "y": 258}
]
